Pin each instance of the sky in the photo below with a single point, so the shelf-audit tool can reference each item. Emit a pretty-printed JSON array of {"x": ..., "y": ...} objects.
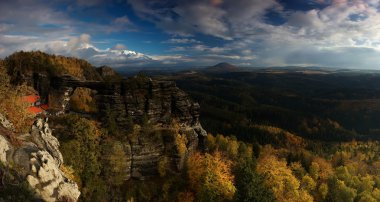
[{"x": 193, "y": 33}]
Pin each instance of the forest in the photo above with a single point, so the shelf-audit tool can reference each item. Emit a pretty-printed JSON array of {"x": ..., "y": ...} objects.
[
  {"x": 287, "y": 137},
  {"x": 333, "y": 106}
]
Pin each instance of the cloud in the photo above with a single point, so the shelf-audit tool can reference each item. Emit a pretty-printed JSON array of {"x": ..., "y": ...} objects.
[
  {"x": 122, "y": 20},
  {"x": 185, "y": 18},
  {"x": 332, "y": 32},
  {"x": 198, "y": 32},
  {"x": 77, "y": 46},
  {"x": 181, "y": 41},
  {"x": 216, "y": 18}
]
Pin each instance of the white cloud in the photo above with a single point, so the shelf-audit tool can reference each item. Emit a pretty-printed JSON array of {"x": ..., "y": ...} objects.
[
  {"x": 219, "y": 18},
  {"x": 181, "y": 41}
]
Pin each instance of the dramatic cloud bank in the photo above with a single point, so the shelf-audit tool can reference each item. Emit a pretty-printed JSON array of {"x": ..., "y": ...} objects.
[{"x": 336, "y": 33}]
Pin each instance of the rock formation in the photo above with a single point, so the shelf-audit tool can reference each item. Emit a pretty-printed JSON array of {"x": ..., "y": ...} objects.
[
  {"x": 41, "y": 135},
  {"x": 48, "y": 181},
  {"x": 4, "y": 147},
  {"x": 6, "y": 123},
  {"x": 158, "y": 102},
  {"x": 38, "y": 162}
]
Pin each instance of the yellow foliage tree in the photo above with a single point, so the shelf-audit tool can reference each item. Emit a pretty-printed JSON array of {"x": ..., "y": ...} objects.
[
  {"x": 210, "y": 177},
  {"x": 280, "y": 178}
]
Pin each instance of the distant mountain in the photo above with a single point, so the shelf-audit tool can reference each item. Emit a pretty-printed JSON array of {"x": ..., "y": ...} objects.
[{"x": 223, "y": 67}]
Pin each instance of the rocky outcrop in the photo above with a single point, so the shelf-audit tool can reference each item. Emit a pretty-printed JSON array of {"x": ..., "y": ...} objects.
[
  {"x": 42, "y": 136},
  {"x": 37, "y": 161},
  {"x": 48, "y": 181},
  {"x": 4, "y": 147},
  {"x": 6, "y": 123}
]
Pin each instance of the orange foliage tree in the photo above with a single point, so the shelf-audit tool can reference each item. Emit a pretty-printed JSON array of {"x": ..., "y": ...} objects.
[{"x": 11, "y": 104}]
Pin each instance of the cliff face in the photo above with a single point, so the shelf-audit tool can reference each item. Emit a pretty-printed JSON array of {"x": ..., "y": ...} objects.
[
  {"x": 158, "y": 102},
  {"x": 138, "y": 100}
]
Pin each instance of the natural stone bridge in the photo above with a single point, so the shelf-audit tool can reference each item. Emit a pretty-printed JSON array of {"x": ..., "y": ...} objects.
[
  {"x": 102, "y": 87},
  {"x": 135, "y": 98}
]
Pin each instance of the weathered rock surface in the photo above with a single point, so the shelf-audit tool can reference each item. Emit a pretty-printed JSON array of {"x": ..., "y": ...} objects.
[
  {"x": 4, "y": 147},
  {"x": 48, "y": 181},
  {"x": 42, "y": 136},
  {"x": 159, "y": 102},
  {"x": 37, "y": 162},
  {"x": 6, "y": 123}
]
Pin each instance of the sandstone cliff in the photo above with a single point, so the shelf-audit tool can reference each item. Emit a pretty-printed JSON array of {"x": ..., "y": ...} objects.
[
  {"x": 143, "y": 112},
  {"x": 37, "y": 161}
]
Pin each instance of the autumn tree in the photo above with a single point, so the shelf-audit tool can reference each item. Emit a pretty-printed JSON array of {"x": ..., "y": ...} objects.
[
  {"x": 285, "y": 186},
  {"x": 210, "y": 176},
  {"x": 11, "y": 103},
  {"x": 249, "y": 184}
]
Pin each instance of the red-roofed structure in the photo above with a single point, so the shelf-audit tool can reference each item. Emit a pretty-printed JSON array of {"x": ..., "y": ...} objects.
[
  {"x": 35, "y": 106},
  {"x": 35, "y": 110},
  {"x": 31, "y": 98}
]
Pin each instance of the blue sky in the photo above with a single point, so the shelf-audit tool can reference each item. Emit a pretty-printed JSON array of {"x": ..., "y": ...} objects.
[{"x": 132, "y": 33}]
